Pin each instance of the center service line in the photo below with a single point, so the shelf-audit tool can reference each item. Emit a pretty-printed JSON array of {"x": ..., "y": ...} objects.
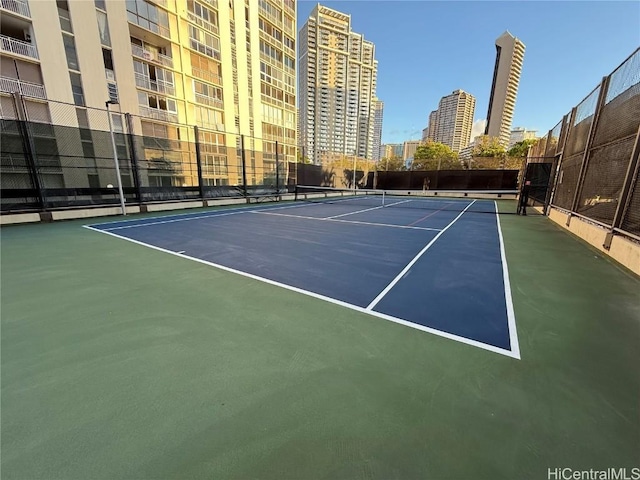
[
  {"x": 415, "y": 259},
  {"x": 366, "y": 210}
]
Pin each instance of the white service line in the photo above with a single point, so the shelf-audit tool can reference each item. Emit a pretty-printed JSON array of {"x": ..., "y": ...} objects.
[
  {"x": 415, "y": 259},
  {"x": 333, "y": 219},
  {"x": 235, "y": 211},
  {"x": 511, "y": 316},
  {"x": 350, "y": 306},
  {"x": 367, "y": 209}
]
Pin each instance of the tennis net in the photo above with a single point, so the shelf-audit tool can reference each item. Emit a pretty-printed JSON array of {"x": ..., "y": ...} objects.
[{"x": 421, "y": 199}]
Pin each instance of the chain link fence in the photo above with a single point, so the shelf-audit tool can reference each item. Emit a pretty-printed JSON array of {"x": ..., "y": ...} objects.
[
  {"x": 594, "y": 152},
  {"x": 57, "y": 155}
]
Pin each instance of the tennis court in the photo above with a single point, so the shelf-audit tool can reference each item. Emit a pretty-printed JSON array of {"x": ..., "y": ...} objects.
[
  {"x": 412, "y": 260},
  {"x": 332, "y": 337}
]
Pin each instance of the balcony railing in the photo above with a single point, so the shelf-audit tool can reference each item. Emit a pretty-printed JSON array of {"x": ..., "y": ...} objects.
[
  {"x": 13, "y": 45},
  {"x": 210, "y": 101},
  {"x": 20, "y": 7},
  {"x": 158, "y": 58},
  {"x": 28, "y": 89},
  {"x": 206, "y": 75},
  {"x": 153, "y": 27},
  {"x": 156, "y": 86},
  {"x": 203, "y": 23},
  {"x": 157, "y": 114}
]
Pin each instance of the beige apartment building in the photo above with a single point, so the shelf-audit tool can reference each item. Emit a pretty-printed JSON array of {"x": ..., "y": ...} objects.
[
  {"x": 452, "y": 122},
  {"x": 519, "y": 134},
  {"x": 377, "y": 129},
  {"x": 409, "y": 149},
  {"x": 337, "y": 85},
  {"x": 504, "y": 88},
  {"x": 227, "y": 67}
]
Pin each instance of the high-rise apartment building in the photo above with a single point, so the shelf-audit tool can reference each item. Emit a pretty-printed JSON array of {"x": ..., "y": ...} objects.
[
  {"x": 377, "y": 129},
  {"x": 392, "y": 150},
  {"x": 504, "y": 89},
  {"x": 409, "y": 149},
  {"x": 451, "y": 124},
  {"x": 337, "y": 83},
  {"x": 432, "y": 128},
  {"x": 519, "y": 134},
  {"x": 227, "y": 67}
]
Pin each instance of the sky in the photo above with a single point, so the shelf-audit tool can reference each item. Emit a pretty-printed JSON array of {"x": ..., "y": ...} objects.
[{"x": 428, "y": 49}]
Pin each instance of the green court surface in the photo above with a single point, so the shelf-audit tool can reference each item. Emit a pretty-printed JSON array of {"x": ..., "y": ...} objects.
[{"x": 123, "y": 362}]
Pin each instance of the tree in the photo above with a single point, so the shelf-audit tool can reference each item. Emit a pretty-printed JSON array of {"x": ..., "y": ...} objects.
[
  {"x": 435, "y": 156},
  {"x": 393, "y": 164},
  {"x": 488, "y": 146},
  {"x": 521, "y": 149},
  {"x": 302, "y": 159}
]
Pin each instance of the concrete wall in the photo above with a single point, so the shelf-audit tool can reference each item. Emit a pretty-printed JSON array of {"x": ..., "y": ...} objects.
[{"x": 623, "y": 250}]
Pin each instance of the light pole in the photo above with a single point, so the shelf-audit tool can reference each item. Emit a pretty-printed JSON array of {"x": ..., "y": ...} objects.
[{"x": 115, "y": 156}]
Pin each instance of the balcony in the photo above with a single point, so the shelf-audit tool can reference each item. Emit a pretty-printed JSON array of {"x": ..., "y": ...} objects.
[
  {"x": 149, "y": 56},
  {"x": 21, "y": 7},
  {"x": 157, "y": 114},
  {"x": 156, "y": 86},
  {"x": 18, "y": 47},
  {"x": 206, "y": 75},
  {"x": 203, "y": 23},
  {"x": 28, "y": 89},
  {"x": 210, "y": 101}
]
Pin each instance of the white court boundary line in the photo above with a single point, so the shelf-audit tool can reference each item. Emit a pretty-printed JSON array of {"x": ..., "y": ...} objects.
[
  {"x": 511, "y": 315},
  {"x": 350, "y": 306},
  {"x": 333, "y": 219},
  {"x": 402, "y": 273},
  {"x": 217, "y": 213},
  {"x": 366, "y": 210}
]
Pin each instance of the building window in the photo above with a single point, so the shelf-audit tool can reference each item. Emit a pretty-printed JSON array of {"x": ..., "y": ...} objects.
[
  {"x": 157, "y": 102},
  {"x": 107, "y": 58},
  {"x": 64, "y": 16},
  {"x": 148, "y": 16},
  {"x": 203, "y": 16},
  {"x": 204, "y": 43},
  {"x": 208, "y": 118},
  {"x": 101, "y": 4},
  {"x": 103, "y": 28},
  {"x": 76, "y": 88},
  {"x": 70, "y": 50}
]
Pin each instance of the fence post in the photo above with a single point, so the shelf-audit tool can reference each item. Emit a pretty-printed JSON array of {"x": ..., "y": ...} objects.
[
  {"x": 196, "y": 132},
  {"x": 604, "y": 86},
  {"x": 277, "y": 175},
  {"x": 134, "y": 157},
  {"x": 625, "y": 192},
  {"x": 567, "y": 122},
  {"x": 29, "y": 149},
  {"x": 244, "y": 168}
]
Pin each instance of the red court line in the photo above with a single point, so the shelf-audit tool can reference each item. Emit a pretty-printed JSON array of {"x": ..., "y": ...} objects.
[{"x": 428, "y": 215}]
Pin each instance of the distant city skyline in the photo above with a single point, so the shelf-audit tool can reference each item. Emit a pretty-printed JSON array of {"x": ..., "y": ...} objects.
[{"x": 411, "y": 82}]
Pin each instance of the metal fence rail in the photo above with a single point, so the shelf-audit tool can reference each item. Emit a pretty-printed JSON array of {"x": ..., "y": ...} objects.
[
  {"x": 64, "y": 157},
  {"x": 594, "y": 152}
]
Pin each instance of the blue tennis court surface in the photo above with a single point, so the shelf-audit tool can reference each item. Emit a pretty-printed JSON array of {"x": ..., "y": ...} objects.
[{"x": 437, "y": 265}]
